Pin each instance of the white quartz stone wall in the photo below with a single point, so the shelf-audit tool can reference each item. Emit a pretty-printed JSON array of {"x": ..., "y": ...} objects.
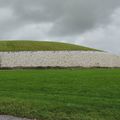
[{"x": 58, "y": 59}]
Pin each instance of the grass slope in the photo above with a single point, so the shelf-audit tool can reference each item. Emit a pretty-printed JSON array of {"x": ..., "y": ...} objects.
[
  {"x": 88, "y": 94},
  {"x": 39, "y": 46}
]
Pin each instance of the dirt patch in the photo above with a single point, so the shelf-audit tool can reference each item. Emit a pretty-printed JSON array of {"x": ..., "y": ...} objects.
[{"x": 7, "y": 117}]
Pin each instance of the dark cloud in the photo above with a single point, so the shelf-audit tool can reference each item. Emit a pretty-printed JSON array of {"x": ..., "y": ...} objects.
[
  {"x": 80, "y": 16},
  {"x": 69, "y": 16}
]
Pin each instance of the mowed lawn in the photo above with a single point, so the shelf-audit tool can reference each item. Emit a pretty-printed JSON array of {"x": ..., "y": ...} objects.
[{"x": 61, "y": 94}]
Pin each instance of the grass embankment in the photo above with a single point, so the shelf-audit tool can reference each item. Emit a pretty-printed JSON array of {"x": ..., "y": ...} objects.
[
  {"x": 88, "y": 94},
  {"x": 39, "y": 46}
]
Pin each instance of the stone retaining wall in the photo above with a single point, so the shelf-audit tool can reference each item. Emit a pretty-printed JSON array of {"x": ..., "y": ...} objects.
[{"x": 58, "y": 59}]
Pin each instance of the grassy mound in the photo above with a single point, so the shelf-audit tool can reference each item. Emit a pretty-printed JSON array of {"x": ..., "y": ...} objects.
[{"x": 39, "y": 46}]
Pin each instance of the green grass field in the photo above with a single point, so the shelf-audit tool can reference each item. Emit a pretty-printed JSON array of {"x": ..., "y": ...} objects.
[
  {"x": 61, "y": 94},
  {"x": 39, "y": 46}
]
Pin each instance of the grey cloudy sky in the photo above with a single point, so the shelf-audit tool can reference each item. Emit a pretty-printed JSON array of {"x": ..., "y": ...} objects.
[{"x": 95, "y": 23}]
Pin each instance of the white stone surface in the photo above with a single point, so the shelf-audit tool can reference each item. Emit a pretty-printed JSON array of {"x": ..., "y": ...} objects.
[{"x": 58, "y": 59}]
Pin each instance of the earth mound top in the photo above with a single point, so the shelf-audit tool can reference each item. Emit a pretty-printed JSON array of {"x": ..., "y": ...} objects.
[{"x": 40, "y": 46}]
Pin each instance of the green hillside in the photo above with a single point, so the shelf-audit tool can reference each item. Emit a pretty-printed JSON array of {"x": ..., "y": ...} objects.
[{"x": 39, "y": 46}]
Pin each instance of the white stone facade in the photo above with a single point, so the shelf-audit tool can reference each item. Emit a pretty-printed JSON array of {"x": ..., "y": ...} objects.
[{"x": 58, "y": 59}]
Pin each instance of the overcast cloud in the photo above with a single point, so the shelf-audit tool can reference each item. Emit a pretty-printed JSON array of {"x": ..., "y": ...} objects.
[{"x": 95, "y": 23}]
